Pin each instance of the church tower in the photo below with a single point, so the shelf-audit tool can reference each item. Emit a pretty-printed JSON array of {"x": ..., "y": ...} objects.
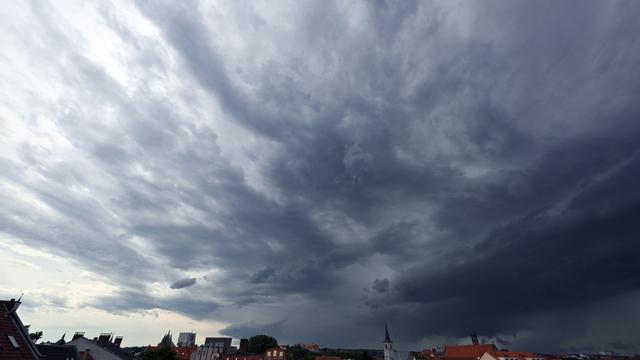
[{"x": 388, "y": 347}]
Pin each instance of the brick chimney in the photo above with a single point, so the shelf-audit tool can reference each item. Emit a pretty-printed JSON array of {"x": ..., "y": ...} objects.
[
  {"x": 77, "y": 335},
  {"x": 118, "y": 341}
]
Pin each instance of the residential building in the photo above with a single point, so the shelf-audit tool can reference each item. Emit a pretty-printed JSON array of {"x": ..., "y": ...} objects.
[
  {"x": 59, "y": 352},
  {"x": 184, "y": 352},
  {"x": 220, "y": 344},
  {"x": 275, "y": 353},
  {"x": 103, "y": 347},
  {"x": 15, "y": 343},
  {"x": 240, "y": 357},
  {"x": 187, "y": 339},
  {"x": 205, "y": 352},
  {"x": 510, "y": 355}
]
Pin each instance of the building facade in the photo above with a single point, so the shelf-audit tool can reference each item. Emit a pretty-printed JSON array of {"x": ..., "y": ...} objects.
[
  {"x": 220, "y": 344},
  {"x": 275, "y": 353},
  {"x": 187, "y": 339},
  {"x": 510, "y": 355}
]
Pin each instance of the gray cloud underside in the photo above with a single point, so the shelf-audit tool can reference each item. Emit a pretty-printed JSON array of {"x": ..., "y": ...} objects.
[
  {"x": 183, "y": 283},
  {"x": 450, "y": 168}
]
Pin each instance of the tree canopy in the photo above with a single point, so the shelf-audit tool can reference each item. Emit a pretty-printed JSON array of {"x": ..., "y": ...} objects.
[
  {"x": 258, "y": 344},
  {"x": 162, "y": 353},
  {"x": 35, "y": 336},
  {"x": 299, "y": 353}
]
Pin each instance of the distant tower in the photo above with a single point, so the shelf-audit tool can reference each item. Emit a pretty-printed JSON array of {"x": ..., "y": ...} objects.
[
  {"x": 388, "y": 347},
  {"x": 167, "y": 341}
]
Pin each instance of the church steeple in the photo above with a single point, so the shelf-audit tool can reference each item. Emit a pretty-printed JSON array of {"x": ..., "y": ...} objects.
[
  {"x": 387, "y": 339},
  {"x": 388, "y": 347}
]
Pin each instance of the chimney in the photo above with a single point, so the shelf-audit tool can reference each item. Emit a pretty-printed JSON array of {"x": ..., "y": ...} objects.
[
  {"x": 13, "y": 306},
  {"x": 117, "y": 341},
  {"x": 474, "y": 339},
  {"x": 103, "y": 339},
  {"x": 77, "y": 335}
]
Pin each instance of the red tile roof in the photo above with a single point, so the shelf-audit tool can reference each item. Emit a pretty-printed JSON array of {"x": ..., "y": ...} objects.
[{"x": 467, "y": 351}]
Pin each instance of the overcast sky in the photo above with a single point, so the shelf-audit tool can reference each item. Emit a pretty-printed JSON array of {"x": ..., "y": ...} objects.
[{"x": 310, "y": 169}]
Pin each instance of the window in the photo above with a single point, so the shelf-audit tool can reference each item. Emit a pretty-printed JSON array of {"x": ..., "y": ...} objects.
[
  {"x": 268, "y": 353},
  {"x": 280, "y": 353},
  {"x": 13, "y": 341}
]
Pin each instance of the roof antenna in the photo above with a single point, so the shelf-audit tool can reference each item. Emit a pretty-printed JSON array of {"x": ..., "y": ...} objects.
[{"x": 20, "y": 298}]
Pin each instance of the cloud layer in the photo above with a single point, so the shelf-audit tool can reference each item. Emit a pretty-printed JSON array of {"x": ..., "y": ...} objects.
[{"x": 314, "y": 169}]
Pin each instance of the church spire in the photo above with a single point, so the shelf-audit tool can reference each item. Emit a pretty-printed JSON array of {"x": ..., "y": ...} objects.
[
  {"x": 387, "y": 339},
  {"x": 388, "y": 346}
]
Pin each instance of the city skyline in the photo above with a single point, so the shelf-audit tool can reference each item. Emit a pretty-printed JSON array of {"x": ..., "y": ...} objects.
[{"x": 310, "y": 170}]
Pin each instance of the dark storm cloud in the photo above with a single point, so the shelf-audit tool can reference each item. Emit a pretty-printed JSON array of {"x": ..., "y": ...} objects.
[
  {"x": 127, "y": 301},
  {"x": 250, "y": 329},
  {"x": 380, "y": 285},
  {"x": 262, "y": 275},
  {"x": 183, "y": 283},
  {"x": 452, "y": 168}
]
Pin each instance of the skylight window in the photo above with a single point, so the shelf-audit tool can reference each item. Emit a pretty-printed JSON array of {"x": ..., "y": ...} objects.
[{"x": 13, "y": 342}]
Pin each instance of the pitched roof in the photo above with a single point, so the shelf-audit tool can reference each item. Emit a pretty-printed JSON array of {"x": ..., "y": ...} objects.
[
  {"x": 59, "y": 352},
  {"x": 468, "y": 351},
  {"x": 97, "y": 352},
  {"x": 61, "y": 341},
  {"x": 512, "y": 354},
  {"x": 13, "y": 330}
]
